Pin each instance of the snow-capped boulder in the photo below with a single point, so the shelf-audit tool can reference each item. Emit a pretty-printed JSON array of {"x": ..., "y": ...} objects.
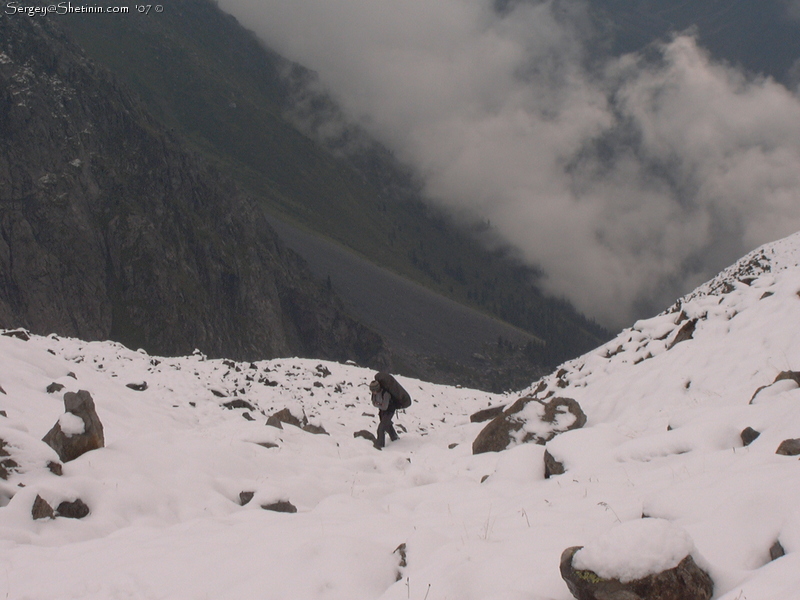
[
  {"x": 529, "y": 419},
  {"x": 647, "y": 558},
  {"x": 79, "y": 430}
]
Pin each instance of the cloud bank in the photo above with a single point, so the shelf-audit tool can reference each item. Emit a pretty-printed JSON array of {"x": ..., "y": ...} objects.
[{"x": 628, "y": 180}]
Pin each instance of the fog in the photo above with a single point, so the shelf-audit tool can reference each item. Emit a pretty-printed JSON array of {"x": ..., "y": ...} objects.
[{"x": 629, "y": 180}]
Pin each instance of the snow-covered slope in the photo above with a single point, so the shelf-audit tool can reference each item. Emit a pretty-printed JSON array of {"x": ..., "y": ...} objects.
[{"x": 662, "y": 440}]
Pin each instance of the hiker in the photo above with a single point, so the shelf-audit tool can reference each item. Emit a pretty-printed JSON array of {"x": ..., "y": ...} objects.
[{"x": 387, "y": 397}]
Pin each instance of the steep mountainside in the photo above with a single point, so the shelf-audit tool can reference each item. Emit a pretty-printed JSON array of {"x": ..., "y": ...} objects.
[
  {"x": 255, "y": 115},
  {"x": 111, "y": 230}
]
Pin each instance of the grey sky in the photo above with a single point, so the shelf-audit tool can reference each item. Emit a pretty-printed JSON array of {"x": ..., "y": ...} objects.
[{"x": 628, "y": 184}]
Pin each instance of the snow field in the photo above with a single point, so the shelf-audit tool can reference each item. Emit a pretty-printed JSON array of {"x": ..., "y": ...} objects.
[{"x": 662, "y": 441}]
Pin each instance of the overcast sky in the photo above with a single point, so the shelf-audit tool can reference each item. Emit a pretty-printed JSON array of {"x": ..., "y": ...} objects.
[{"x": 629, "y": 182}]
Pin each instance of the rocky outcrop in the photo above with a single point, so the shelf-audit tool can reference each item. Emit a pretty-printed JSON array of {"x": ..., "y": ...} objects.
[
  {"x": 110, "y": 230},
  {"x": 687, "y": 581},
  {"x": 529, "y": 419},
  {"x": 70, "y": 445}
]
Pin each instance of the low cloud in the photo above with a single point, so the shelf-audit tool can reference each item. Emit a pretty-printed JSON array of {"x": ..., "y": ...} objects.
[{"x": 628, "y": 182}]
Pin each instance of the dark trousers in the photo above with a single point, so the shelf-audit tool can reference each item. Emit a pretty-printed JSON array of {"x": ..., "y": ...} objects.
[{"x": 385, "y": 426}]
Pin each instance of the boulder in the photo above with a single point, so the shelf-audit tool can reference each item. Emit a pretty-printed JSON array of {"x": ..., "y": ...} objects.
[
  {"x": 367, "y": 435},
  {"x": 284, "y": 416},
  {"x": 486, "y": 414},
  {"x": 71, "y": 446},
  {"x": 776, "y": 551},
  {"x": 508, "y": 427},
  {"x": 686, "y": 332},
  {"x": 789, "y": 447},
  {"x": 315, "y": 429},
  {"x": 72, "y": 510},
  {"x": 41, "y": 509},
  {"x": 280, "y": 506},
  {"x": 749, "y": 435},
  {"x": 782, "y": 376},
  {"x": 552, "y": 466},
  {"x": 54, "y": 387},
  {"x": 245, "y": 497},
  {"x": 686, "y": 581},
  {"x": 239, "y": 403}
]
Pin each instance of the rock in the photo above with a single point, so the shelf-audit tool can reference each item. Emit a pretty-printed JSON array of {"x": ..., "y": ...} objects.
[
  {"x": 500, "y": 432},
  {"x": 280, "y": 506},
  {"x": 552, "y": 466},
  {"x": 403, "y": 562},
  {"x": 782, "y": 376},
  {"x": 367, "y": 435},
  {"x": 239, "y": 403},
  {"x": 245, "y": 497},
  {"x": 20, "y": 334},
  {"x": 686, "y": 332},
  {"x": 55, "y": 468},
  {"x": 138, "y": 386},
  {"x": 70, "y": 447},
  {"x": 793, "y": 375},
  {"x": 687, "y": 581},
  {"x": 749, "y": 435},
  {"x": 789, "y": 447},
  {"x": 72, "y": 510},
  {"x": 315, "y": 429},
  {"x": 41, "y": 509},
  {"x": 776, "y": 551},
  {"x": 267, "y": 445},
  {"x": 54, "y": 387},
  {"x": 284, "y": 416},
  {"x": 486, "y": 414},
  {"x": 247, "y": 416}
]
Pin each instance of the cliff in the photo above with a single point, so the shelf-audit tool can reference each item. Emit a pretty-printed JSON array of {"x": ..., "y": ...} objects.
[{"x": 109, "y": 229}]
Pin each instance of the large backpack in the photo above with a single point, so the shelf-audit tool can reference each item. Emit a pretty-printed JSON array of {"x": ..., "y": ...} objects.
[{"x": 399, "y": 394}]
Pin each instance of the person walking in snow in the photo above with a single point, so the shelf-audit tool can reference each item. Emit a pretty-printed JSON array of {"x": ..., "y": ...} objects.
[{"x": 387, "y": 396}]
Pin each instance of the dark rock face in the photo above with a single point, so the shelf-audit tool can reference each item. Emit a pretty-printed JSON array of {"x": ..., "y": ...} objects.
[
  {"x": 500, "y": 432},
  {"x": 110, "y": 230},
  {"x": 687, "y": 581},
  {"x": 70, "y": 447}
]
